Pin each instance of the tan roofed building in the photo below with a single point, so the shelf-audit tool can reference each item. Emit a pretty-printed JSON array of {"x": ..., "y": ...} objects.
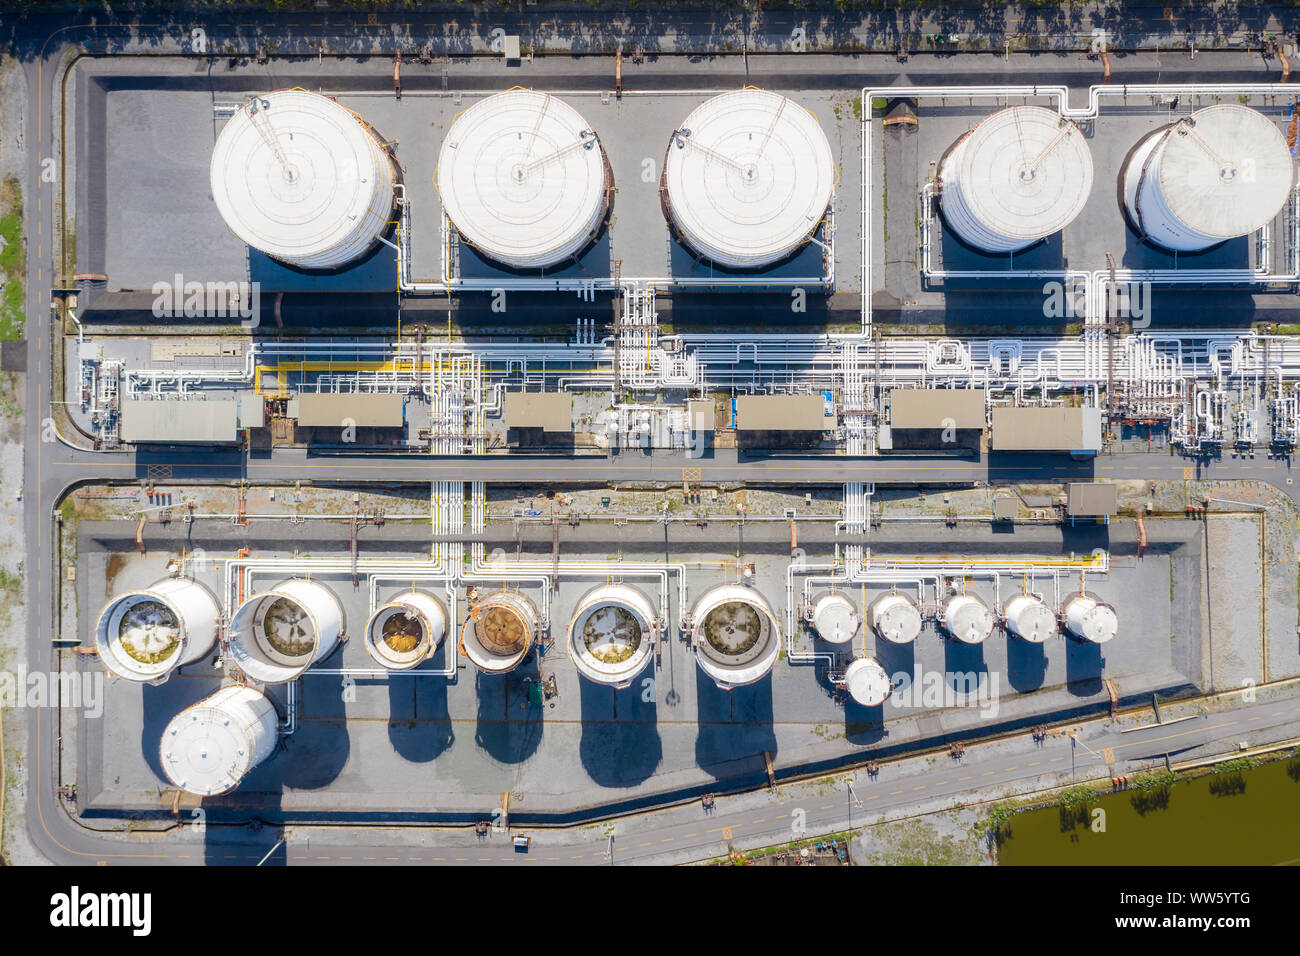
[
  {"x": 361, "y": 409},
  {"x": 1052, "y": 428},
  {"x": 549, "y": 411}
]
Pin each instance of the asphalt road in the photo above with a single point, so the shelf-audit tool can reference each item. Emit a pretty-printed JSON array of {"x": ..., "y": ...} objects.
[{"x": 52, "y": 467}]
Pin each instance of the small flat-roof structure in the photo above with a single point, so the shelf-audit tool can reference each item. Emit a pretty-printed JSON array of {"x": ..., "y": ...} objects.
[
  {"x": 781, "y": 413},
  {"x": 1005, "y": 508},
  {"x": 936, "y": 408},
  {"x": 549, "y": 411},
  {"x": 1051, "y": 428},
  {"x": 170, "y": 421},
  {"x": 362, "y": 409},
  {"x": 700, "y": 414},
  {"x": 1092, "y": 499}
]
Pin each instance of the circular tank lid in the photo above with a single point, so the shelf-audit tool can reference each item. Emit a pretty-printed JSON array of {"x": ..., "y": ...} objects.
[
  {"x": 522, "y": 177},
  {"x": 968, "y": 619},
  {"x": 835, "y": 619},
  {"x": 610, "y": 638},
  {"x": 1098, "y": 623},
  {"x": 293, "y": 172},
  {"x": 867, "y": 682},
  {"x": 1227, "y": 172},
  {"x": 1030, "y": 619},
  {"x": 1025, "y": 172},
  {"x": 897, "y": 619},
  {"x": 749, "y": 175},
  {"x": 140, "y": 635},
  {"x": 402, "y": 633},
  {"x": 204, "y": 751}
]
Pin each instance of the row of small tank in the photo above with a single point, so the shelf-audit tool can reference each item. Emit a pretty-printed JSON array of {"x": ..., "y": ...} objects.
[
  {"x": 522, "y": 176},
  {"x": 277, "y": 635},
  {"x": 895, "y": 617},
  {"x": 1025, "y": 172}
]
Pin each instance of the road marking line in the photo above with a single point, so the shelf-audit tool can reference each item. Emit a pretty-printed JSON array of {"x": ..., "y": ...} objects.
[
  {"x": 894, "y": 793},
  {"x": 967, "y": 777},
  {"x": 987, "y": 773}
]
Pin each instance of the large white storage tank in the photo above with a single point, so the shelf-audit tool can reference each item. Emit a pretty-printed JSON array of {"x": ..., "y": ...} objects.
[
  {"x": 276, "y": 635},
  {"x": 303, "y": 179},
  {"x": 967, "y": 618},
  {"x": 405, "y": 631},
  {"x": 834, "y": 618},
  {"x": 1222, "y": 172},
  {"x": 896, "y": 618},
  {"x": 867, "y": 682},
  {"x": 1029, "y": 619},
  {"x": 747, "y": 178},
  {"x": 208, "y": 748},
  {"x": 499, "y": 631},
  {"x": 612, "y": 634},
  {"x": 1022, "y": 174},
  {"x": 145, "y": 635},
  {"x": 1090, "y": 619},
  {"x": 524, "y": 179},
  {"x": 735, "y": 635}
]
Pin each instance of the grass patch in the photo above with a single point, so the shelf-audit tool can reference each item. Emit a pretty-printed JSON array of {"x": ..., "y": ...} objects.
[{"x": 13, "y": 258}]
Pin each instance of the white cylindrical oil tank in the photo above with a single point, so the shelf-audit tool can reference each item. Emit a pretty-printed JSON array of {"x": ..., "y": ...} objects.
[
  {"x": 404, "y": 632},
  {"x": 276, "y": 635},
  {"x": 303, "y": 179},
  {"x": 1222, "y": 172},
  {"x": 524, "y": 179},
  {"x": 967, "y": 618},
  {"x": 896, "y": 618},
  {"x": 1091, "y": 620},
  {"x": 499, "y": 631},
  {"x": 208, "y": 748},
  {"x": 747, "y": 178},
  {"x": 145, "y": 635},
  {"x": 1030, "y": 619},
  {"x": 834, "y": 618},
  {"x": 867, "y": 682},
  {"x": 612, "y": 634},
  {"x": 735, "y": 635},
  {"x": 1022, "y": 174}
]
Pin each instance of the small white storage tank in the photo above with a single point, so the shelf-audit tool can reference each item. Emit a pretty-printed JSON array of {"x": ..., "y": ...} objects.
[
  {"x": 834, "y": 618},
  {"x": 276, "y": 635},
  {"x": 1029, "y": 619},
  {"x": 303, "y": 179},
  {"x": 1022, "y": 174},
  {"x": 524, "y": 179},
  {"x": 208, "y": 748},
  {"x": 896, "y": 618},
  {"x": 747, "y": 178},
  {"x": 735, "y": 635},
  {"x": 867, "y": 682},
  {"x": 1091, "y": 620},
  {"x": 406, "y": 631},
  {"x": 498, "y": 631},
  {"x": 967, "y": 618},
  {"x": 145, "y": 635},
  {"x": 612, "y": 634},
  {"x": 1223, "y": 172}
]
